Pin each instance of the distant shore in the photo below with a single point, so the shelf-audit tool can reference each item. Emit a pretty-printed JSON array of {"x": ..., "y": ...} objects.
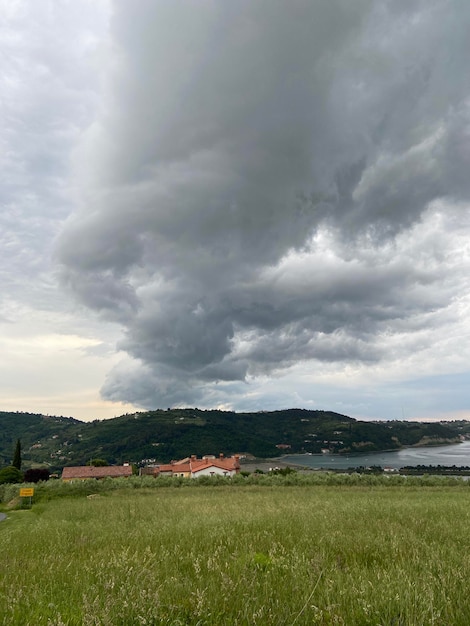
[
  {"x": 250, "y": 464},
  {"x": 265, "y": 465}
]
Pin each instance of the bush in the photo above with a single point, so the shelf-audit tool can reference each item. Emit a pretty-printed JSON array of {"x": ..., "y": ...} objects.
[
  {"x": 8, "y": 492},
  {"x": 10, "y": 474},
  {"x": 35, "y": 475}
]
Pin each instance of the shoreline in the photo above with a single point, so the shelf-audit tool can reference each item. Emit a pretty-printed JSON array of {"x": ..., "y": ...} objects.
[
  {"x": 266, "y": 464},
  {"x": 358, "y": 453}
]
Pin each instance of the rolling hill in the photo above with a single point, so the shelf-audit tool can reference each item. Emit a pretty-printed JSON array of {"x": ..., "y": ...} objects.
[{"x": 163, "y": 435}]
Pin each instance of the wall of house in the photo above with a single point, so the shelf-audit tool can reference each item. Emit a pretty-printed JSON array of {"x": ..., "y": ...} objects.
[{"x": 213, "y": 471}]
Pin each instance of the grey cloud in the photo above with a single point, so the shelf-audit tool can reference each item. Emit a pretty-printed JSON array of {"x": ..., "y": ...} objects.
[
  {"x": 180, "y": 335},
  {"x": 240, "y": 135},
  {"x": 47, "y": 99},
  {"x": 98, "y": 246},
  {"x": 143, "y": 385},
  {"x": 113, "y": 298}
]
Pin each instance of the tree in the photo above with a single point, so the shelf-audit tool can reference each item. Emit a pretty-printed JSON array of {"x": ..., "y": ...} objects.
[
  {"x": 10, "y": 474},
  {"x": 98, "y": 462},
  {"x": 17, "y": 456},
  {"x": 34, "y": 475}
]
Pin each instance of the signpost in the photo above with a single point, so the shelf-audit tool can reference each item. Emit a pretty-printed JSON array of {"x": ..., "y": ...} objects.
[{"x": 26, "y": 492}]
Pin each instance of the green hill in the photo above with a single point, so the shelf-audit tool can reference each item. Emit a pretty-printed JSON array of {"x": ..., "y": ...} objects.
[{"x": 164, "y": 435}]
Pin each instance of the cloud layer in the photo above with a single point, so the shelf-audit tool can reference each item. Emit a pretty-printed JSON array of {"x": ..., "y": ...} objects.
[
  {"x": 52, "y": 352},
  {"x": 276, "y": 190}
]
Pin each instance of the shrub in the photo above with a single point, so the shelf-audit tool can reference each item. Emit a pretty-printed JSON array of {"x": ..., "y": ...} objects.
[
  {"x": 10, "y": 474},
  {"x": 36, "y": 474}
]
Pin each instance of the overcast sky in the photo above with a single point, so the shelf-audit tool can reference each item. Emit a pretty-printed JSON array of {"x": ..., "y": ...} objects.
[{"x": 244, "y": 205}]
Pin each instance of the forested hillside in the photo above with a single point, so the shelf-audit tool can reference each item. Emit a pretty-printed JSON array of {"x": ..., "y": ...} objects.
[{"x": 163, "y": 435}]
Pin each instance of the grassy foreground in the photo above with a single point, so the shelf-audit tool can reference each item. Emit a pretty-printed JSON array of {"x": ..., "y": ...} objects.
[{"x": 293, "y": 555}]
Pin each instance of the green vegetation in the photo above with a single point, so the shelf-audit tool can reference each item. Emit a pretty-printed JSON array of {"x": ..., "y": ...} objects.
[
  {"x": 10, "y": 474},
  {"x": 251, "y": 551},
  {"x": 44, "y": 439},
  {"x": 442, "y": 470},
  {"x": 54, "y": 442}
]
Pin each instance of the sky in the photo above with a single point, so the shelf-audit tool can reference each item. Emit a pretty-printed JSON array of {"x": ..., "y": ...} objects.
[{"x": 238, "y": 205}]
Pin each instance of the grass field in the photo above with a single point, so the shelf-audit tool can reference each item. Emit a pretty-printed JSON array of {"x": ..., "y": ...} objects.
[{"x": 253, "y": 555}]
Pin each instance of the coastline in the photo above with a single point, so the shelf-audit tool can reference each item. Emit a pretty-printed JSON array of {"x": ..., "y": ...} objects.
[
  {"x": 345, "y": 455},
  {"x": 339, "y": 460},
  {"x": 265, "y": 465}
]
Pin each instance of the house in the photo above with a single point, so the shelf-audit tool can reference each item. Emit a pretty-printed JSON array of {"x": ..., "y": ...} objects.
[
  {"x": 192, "y": 467},
  {"x": 212, "y": 466},
  {"x": 82, "y": 472},
  {"x": 180, "y": 468}
]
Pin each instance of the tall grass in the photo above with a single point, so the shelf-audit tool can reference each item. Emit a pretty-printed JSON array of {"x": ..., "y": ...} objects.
[
  {"x": 261, "y": 555},
  {"x": 58, "y": 489}
]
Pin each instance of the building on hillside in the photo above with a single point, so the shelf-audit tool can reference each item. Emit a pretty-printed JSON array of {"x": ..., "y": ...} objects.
[
  {"x": 82, "y": 472},
  {"x": 192, "y": 467}
]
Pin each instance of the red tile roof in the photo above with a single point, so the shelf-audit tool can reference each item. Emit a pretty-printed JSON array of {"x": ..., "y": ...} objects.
[
  {"x": 181, "y": 462},
  {"x": 192, "y": 465},
  {"x": 229, "y": 465},
  {"x": 89, "y": 471},
  {"x": 176, "y": 468}
]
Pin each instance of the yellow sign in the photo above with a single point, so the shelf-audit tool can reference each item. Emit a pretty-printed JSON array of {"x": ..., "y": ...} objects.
[{"x": 27, "y": 491}]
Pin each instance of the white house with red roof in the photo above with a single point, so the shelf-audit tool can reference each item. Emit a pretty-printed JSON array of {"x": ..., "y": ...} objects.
[{"x": 192, "y": 467}]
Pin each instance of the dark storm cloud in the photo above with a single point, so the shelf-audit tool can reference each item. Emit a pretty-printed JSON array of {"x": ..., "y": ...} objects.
[{"x": 262, "y": 185}]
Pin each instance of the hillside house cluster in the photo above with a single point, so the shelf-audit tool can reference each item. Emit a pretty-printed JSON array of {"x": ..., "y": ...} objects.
[{"x": 192, "y": 467}]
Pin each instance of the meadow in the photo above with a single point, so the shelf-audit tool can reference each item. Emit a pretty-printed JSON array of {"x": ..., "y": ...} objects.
[{"x": 368, "y": 552}]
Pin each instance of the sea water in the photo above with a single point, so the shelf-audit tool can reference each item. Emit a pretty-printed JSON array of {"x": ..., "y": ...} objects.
[{"x": 456, "y": 454}]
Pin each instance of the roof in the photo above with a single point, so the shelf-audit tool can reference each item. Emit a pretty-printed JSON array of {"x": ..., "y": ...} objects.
[
  {"x": 181, "y": 462},
  {"x": 174, "y": 467},
  {"x": 228, "y": 465},
  {"x": 90, "y": 471},
  {"x": 192, "y": 465}
]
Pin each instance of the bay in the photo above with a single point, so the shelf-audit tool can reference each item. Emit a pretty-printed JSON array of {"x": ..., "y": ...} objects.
[{"x": 456, "y": 454}]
